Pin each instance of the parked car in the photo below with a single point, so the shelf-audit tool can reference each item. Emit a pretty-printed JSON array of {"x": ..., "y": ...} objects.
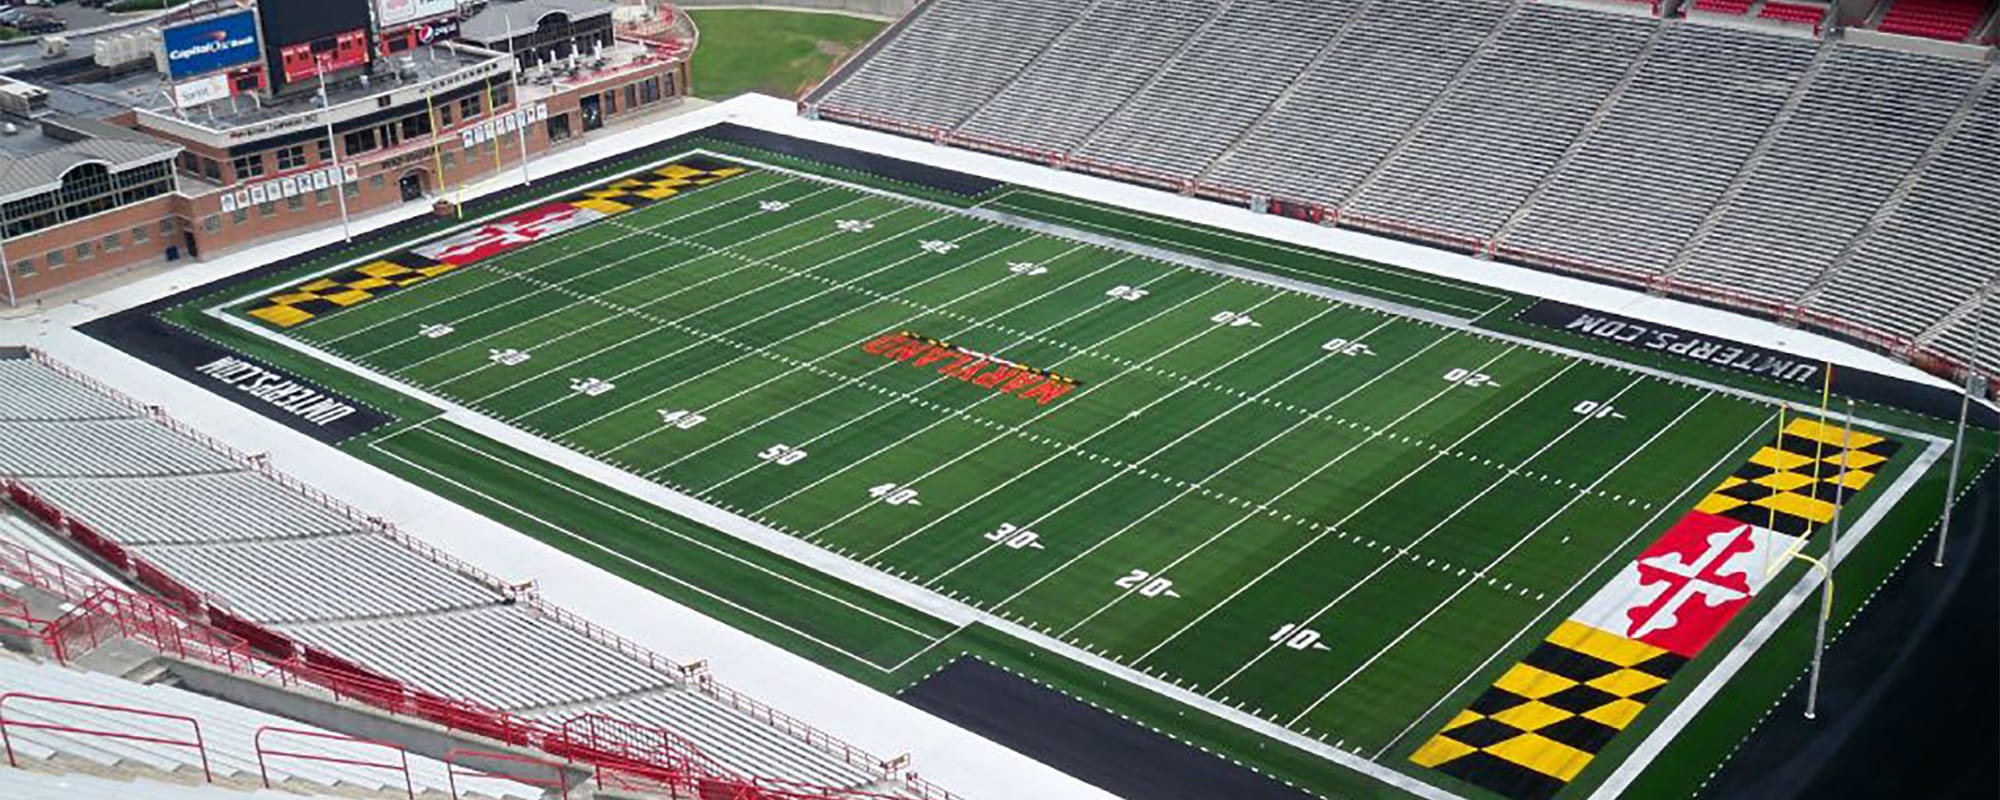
[{"x": 39, "y": 23}]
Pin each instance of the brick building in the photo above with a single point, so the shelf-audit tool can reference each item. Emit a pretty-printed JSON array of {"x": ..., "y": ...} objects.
[{"x": 106, "y": 169}]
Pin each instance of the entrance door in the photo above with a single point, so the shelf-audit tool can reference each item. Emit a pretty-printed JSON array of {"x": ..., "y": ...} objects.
[
  {"x": 593, "y": 113},
  {"x": 411, "y": 185}
]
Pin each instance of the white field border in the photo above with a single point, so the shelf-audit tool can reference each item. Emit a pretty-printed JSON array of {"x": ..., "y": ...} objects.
[{"x": 961, "y": 615}]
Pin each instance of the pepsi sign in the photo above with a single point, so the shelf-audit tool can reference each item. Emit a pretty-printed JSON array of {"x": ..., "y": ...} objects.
[{"x": 209, "y": 45}]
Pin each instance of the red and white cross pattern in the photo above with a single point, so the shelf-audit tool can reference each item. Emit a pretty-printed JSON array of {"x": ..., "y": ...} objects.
[
  {"x": 498, "y": 237},
  {"x": 1688, "y": 584}
]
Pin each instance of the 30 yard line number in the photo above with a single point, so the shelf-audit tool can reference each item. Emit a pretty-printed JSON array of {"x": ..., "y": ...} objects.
[{"x": 1014, "y": 537}]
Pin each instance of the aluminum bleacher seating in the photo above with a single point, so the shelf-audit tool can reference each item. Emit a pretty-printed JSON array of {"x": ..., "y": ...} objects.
[
  {"x": 1220, "y": 84},
  {"x": 1860, "y": 128},
  {"x": 1346, "y": 115},
  {"x": 1500, "y": 132},
  {"x": 1660, "y": 159},
  {"x": 227, "y": 731},
  {"x": 951, "y": 57},
  {"x": 1094, "y": 68},
  {"x": 323, "y": 575}
]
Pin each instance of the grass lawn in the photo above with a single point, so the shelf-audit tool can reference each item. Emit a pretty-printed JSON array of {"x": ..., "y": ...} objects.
[{"x": 777, "y": 53}]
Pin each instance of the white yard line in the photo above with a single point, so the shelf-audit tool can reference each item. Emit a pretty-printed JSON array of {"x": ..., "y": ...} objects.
[
  {"x": 1535, "y": 624},
  {"x": 1518, "y": 543},
  {"x": 1189, "y": 489},
  {"x": 705, "y": 338},
  {"x": 670, "y": 531},
  {"x": 1324, "y": 529},
  {"x": 1405, "y": 549},
  {"x": 686, "y": 240},
  {"x": 1017, "y": 427},
  {"x": 923, "y": 310},
  {"x": 891, "y": 402},
  {"x": 420, "y": 308},
  {"x": 863, "y": 376}
]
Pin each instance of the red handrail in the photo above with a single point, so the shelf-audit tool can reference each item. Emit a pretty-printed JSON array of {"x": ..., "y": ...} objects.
[
  {"x": 401, "y": 765},
  {"x": 5, "y": 724}
]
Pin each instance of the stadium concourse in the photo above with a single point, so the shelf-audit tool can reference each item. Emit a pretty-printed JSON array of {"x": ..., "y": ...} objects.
[{"x": 1790, "y": 160}]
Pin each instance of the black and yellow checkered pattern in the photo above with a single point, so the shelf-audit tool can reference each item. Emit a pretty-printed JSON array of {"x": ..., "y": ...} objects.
[
  {"x": 1544, "y": 720},
  {"x": 652, "y": 187},
  {"x": 306, "y": 300},
  {"x": 1794, "y": 484}
]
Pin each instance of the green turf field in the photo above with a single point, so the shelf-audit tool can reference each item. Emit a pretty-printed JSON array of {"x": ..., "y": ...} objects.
[
  {"x": 1326, "y": 515},
  {"x": 771, "y": 51}
]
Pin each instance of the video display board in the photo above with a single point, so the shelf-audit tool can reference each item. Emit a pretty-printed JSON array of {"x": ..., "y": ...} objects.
[{"x": 210, "y": 45}]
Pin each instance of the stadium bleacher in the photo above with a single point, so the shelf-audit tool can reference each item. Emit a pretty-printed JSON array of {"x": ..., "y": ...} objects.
[
  {"x": 1740, "y": 163},
  {"x": 323, "y": 579}
]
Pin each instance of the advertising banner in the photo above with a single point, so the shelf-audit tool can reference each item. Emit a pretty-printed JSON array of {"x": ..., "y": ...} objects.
[
  {"x": 211, "y": 44},
  {"x": 207, "y": 89},
  {"x": 389, "y": 13}
]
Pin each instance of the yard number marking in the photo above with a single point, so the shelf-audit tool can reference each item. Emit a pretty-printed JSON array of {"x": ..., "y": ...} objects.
[
  {"x": 773, "y": 206},
  {"x": 938, "y": 246},
  {"x": 783, "y": 455},
  {"x": 1015, "y": 537},
  {"x": 508, "y": 357},
  {"x": 1343, "y": 347},
  {"x": 1234, "y": 319},
  {"x": 894, "y": 494},
  {"x": 1126, "y": 293},
  {"x": 853, "y": 225},
  {"x": 436, "y": 331},
  {"x": 681, "y": 418},
  {"x": 1147, "y": 584},
  {"x": 1466, "y": 377},
  {"x": 1298, "y": 638},
  {"x": 1596, "y": 410},
  {"x": 1027, "y": 268},
  {"x": 591, "y": 387}
]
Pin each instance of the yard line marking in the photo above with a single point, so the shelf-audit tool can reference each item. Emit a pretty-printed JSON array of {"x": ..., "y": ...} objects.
[
  {"x": 1324, "y": 529},
  {"x": 1087, "y": 390},
  {"x": 1701, "y": 480},
  {"x": 1396, "y": 553},
  {"x": 523, "y": 249},
  {"x": 620, "y": 311},
  {"x": 685, "y": 240},
  {"x": 1256, "y": 510},
  {"x": 1483, "y": 571},
  {"x": 793, "y": 369},
  {"x": 851, "y": 381},
  {"x": 1126, "y": 469},
  {"x": 976, "y": 403},
  {"x": 709, "y": 337},
  {"x": 765, "y": 348},
  {"x": 651, "y": 523},
  {"x": 679, "y": 323}
]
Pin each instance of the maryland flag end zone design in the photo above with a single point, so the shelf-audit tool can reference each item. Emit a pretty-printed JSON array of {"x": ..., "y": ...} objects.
[
  {"x": 305, "y": 301},
  {"x": 1546, "y": 717}
]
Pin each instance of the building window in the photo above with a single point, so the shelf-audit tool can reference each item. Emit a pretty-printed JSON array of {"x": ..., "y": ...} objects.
[
  {"x": 296, "y": 202},
  {"x": 140, "y": 235},
  {"x": 113, "y": 242},
  {"x": 415, "y": 126},
  {"x": 649, "y": 90},
  {"x": 239, "y": 216},
  {"x": 325, "y": 150},
  {"x": 211, "y": 169},
  {"x": 213, "y": 222},
  {"x": 468, "y": 107},
  {"x": 450, "y": 160},
  {"x": 25, "y": 267},
  {"x": 631, "y": 95},
  {"x": 502, "y": 95},
  {"x": 83, "y": 252},
  {"x": 292, "y": 157},
  {"x": 166, "y": 227},
  {"x": 376, "y": 182},
  {"x": 351, "y": 189},
  {"x": 321, "y": 196},
  {"x": 267, "y": 209},
  {"x": 359, "y": 142},
  {"x": 249, "y": 166},
  {"x": 54, "y": 259},
  {"x": 444, "y": 115}
]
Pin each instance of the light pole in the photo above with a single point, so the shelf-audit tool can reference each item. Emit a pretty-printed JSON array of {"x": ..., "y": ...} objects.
[
  {"x": 1819, "y": 632},
  {"x": 1958, "y": 441},
  {"x": 339, "y": 175}
]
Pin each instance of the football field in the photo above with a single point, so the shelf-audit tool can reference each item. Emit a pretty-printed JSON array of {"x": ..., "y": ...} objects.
[{"x": 1334, "y": 517}]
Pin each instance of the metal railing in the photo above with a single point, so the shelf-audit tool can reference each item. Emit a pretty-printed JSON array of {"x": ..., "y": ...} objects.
[{"x": 6, "y": 737}]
